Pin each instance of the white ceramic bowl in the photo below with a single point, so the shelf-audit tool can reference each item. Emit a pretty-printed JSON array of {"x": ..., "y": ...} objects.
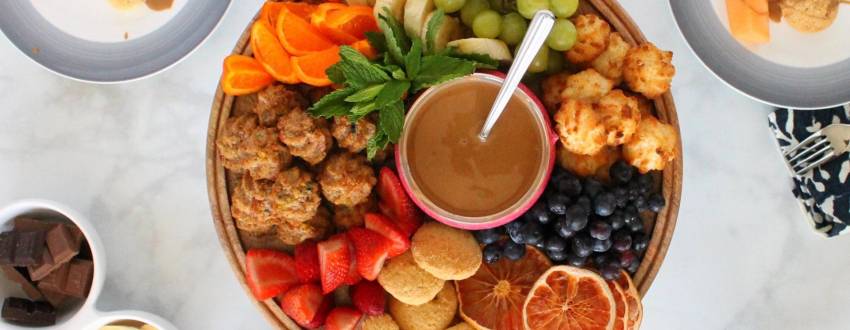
[{"x": 85, "y": 316}]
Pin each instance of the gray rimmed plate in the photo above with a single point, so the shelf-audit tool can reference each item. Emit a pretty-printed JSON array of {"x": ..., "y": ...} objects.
[
  {"x": 89, "y": 40},
  {"x": 796, "y": 70}
]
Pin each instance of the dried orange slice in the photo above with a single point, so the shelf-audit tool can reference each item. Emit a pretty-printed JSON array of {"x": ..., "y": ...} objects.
[
  {"x": 353, "y": 21},
  {"x": 268, "y": 50},
  {"x": 635, "y": 315},
  {"x": 569, "y": 298},
  {"x": 621, "y": 320},
  {"x": 310, "y": 68},
  {"x": 243, "y": 75},
  {"x": 298, "y": 36},
  {"x": 365, "y": 48},
  {"x": 493, "y": 297},
  {"x": 271, "y": 10}
]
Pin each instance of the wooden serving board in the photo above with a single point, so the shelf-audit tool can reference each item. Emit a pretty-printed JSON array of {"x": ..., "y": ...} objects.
[{"x": 219, "y": 181}]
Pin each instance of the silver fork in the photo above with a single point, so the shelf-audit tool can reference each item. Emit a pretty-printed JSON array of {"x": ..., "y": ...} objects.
[{"x": 817, "y": 149}]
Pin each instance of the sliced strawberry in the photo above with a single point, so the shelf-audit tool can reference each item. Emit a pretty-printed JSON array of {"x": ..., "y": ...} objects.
[
  {"x": 307, "y": 262},
  {"x": 371, "y": 250},
  {"x": 385, "y": 226},
  {"x": 354, "y": 276},
  {"x": 303, "y": 303},
  {"x": 396, "y": 204},
  {"x": 321, "y": 314},
  {"x": 369, "y": 297},
  {"x": 342, "y": 318},
  {"x": 334, "y": 261},
  {"x": 269, "y": 272}
]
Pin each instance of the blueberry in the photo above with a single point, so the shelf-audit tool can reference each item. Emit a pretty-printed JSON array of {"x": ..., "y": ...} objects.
[
  {"x": 604, "y": 204},
  {"x": 600, "y": 230},
  {"x": 492, "y": 253},
  {"x": 513, "y": 226},
  {"x": 621, "y": 197},
  {"x": 622, "y": 240},
  {"x": 626, "y": 258},
  {"x": 557, "y": 256},
  {"x": 592, "y": 187},
  {"x": 575, "y": 260},
  {"x": 585, "y": 204},
  {"x": 630, "y": 213},
  {"x": 640, "y": 203},
  {"x": 635, "y": 225},
  {"x": 514, "y": 251},
  {"x": 539, "y": 213},
  {"x": 656, "y": 202},
  {"x": 644, "y": 183},
  {"x": 563, "y": 229},
  {"x": 581, "y": 246},
  {"x": 576, "y": 218},
  {"x": 518, "y": 235},
  {"x": 634, "y": 266},
  {"x": 488, "y": 236},
  {"x": 540, "y": 245},
  {"x": 599, "y": 260},
  {"x": 601, "y": 245},
  {"x": 621, "y": 172},
  {"x": 568, "y": 185},
  {"x": 617, "y": 220},
  {"x": 557, "y": 203},
  {"x": 532, "y": 233},
  {"x": 610, "y": 272},
  {"x": 639, "y": 242},
  {"x": 556, "y": 243}
]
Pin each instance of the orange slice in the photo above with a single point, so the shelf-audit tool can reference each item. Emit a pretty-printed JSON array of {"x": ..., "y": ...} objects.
[
  {"x": 243, "y": 75},
  {"x": 353, "y": 21},
  {"x": 569, "y": 298},
  {"x": 621, "y": 320},
  {"x": 320, "y": 21},
  {"x": 268, "y": 50},
  {"x": 365, "y": 48},
  {"x": 298, "y": 36},
  {"x": 321, "y": 14},
  {"x": 310, "y": 68},
  {"x": 493, "y": 297},
  {"x": 271, "y": 10},
  {"x": 635, "y": 308}
]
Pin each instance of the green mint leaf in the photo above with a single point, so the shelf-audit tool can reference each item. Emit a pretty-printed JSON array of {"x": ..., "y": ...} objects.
[
  {"x": 392, "y": 93},
  {"x": 413, "y": 60},
  {"x": 358, "y": 71},
  {"x": 482, "y": 61},
  {"x": 433, "y": 27},
  {"x": 366, "y": 94},
  {"x": 437, "y": 69},
  {"x": 361, "y": 109},
  {"x": 377, "y": 41},
  {"x": 376, "y": 143},
  {"x": 395, "y": 71},
  {"x": 392, "y": 120},
  {"x": 397, "y": 41},
  {"x": 332, "y": 104},
  {"x": 335, "y": 74}
]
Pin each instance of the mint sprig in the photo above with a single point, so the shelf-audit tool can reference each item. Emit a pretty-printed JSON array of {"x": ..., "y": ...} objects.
[{"x": 382, "y": 85}]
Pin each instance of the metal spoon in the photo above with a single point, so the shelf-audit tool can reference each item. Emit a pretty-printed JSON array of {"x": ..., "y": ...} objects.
[{"x": 538, "y": 31}]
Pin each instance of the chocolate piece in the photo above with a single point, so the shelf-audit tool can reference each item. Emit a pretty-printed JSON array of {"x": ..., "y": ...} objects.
[
  {"x": 7, "y": 248},
  {"x": 61, "y": 244},
  {"x": 57, "y": 299},
  {"x": 17, "y": 275},
  {"x": 56, "y": 280},
  {"x": 21, "y": 248},
  {"x": 29, "y": 224},
  {"x": 41, "y": 270},
  {"x": 79, "y": 278},
  {"x": 28, "y": 313}
]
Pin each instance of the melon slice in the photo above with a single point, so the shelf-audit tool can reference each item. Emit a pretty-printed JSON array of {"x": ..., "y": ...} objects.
[
  {"x": 760, "y": 6},
  {"x": 746, "y": 24}
]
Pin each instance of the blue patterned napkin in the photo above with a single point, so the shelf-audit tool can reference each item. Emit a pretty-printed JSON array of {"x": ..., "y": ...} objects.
[{"x": 823, "y": 193}]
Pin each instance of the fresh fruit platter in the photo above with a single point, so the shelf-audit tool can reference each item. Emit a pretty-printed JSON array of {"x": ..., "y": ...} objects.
[{"x": 350, "y": 190}]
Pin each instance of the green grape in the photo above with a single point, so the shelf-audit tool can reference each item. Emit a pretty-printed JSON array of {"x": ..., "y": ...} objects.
[
  {"x": 563, "y": 35},
  {"x": 513, "y": 29},
  {"x": 556, "y": 61},
  {"x": 471, "y": 9},
  {"x": 487, "y": 24},
  {"x": 449, "y": 6},
  {"x": 527, "y": 8},
  {"x": 540, "y": 62},
  {"x": 503, "y": 6},
  {"x": 563, "y": 8}
]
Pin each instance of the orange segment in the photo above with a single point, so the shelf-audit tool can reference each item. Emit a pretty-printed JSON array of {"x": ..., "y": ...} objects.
[
  {"x": 630, "y": 293},
  {"x": 365, "y": 48},
  {"x": 354, "y": 21},
  {"x": 268, "y": 50},
  {"x": 310, "y": 68},
  {"x": 298, "y": 36},
  {"x": 321, "y": 14},
  {"x": 493, "y": 297},
  {"x": 271, "y": 10},
  {"x": 320, "y": 21},
  {"x": 243, "y": 75},
  {"x": 569, "y": 298},
  {"x": 622, "y": 315}
]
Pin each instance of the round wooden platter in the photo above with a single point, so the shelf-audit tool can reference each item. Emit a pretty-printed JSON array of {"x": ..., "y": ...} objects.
[{"x": 219, "y": 181}]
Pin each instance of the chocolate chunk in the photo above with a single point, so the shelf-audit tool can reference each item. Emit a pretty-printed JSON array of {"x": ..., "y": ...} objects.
[
  {"x": 56, "y": 280},
  {"x": 79, "y": 278},
  {"x": 7, "y": 248},
  {"x": 28, "y": 248},
  {"x": 17, "y": 275},
  {"x": 62, "y": 244},
  {"x": 30, "y": 224},
  {"x": 28, "y": 313},
  {"x": 42, "y": 269},
  {"x": 57, "y": 299}
]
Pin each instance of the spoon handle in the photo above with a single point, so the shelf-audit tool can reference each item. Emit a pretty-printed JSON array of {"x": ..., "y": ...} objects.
[{"x": 537, "y": 33}]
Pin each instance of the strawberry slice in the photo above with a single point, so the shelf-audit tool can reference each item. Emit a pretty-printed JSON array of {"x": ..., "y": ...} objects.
[
  {"x": 385, "y": 226},
  {"x": 354, "y": 276},
  {"x": 334, "y": 261},
  {"x": 306, "y": 305},
  {"x": 269, "y": 272},
  {"x": 396, "y": 204},
  {"x": 307, "y": 261},
  {"x": 371, "y": 250},
  {"x": 369, "y": 297},
  {"x": 343, "y": 318}
]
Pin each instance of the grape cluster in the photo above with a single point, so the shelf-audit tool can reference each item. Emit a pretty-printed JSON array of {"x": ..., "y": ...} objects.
[{"x": 582, "y": 222}]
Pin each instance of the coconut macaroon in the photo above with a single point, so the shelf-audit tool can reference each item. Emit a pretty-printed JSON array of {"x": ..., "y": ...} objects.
[
  {"x": 610, "y": 62},
  {"x": 580, "y": 128},
  {"x": 435, "y": 314},
  {"x": 596, "y": 165},
  {"x": 649, "y": 70},
  {"x": 653, "y": 145},
  {"x": 445, "y": 252},
  {"x": 591, "y": 38},
  {"x": 408, "y": 283},
  {"x": 620, "y": 116}
]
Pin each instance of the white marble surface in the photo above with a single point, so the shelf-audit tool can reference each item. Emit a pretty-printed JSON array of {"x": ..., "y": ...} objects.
[{"x": 131, "y": 157}]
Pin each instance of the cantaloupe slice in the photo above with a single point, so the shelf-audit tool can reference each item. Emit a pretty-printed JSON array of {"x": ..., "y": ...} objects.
[
  {"x": 760, "y": 6},
  {"x": 746, "y": 24}
]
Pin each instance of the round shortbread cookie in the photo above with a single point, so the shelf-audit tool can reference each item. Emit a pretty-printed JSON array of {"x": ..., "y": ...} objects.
[
  {"x": 408, "y": 283},
  {"x": 436, "y": 314},
  {"x": 445, "y": 252},
  {"x": 379, "y": 322}
]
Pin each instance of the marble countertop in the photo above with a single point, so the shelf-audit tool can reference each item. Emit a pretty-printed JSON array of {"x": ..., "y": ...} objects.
[{"x": 131, "y": 157}]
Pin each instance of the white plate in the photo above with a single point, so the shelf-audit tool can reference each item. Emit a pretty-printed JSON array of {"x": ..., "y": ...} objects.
[{"x": 797, "y": 70}]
